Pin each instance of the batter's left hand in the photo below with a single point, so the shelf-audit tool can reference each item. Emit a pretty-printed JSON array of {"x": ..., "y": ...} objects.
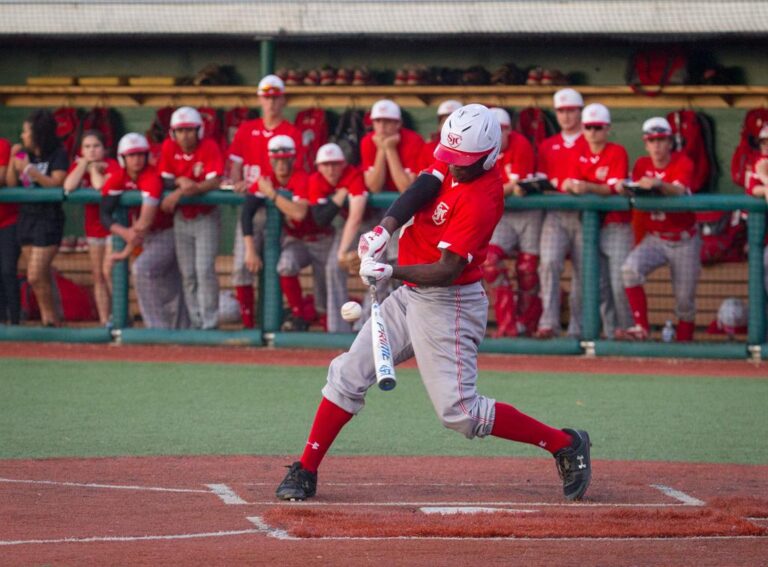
[{"x": 371, "y": 269}]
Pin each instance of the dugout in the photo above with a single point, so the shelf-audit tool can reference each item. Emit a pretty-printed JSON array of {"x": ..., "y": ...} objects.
[{"x": 592, "y": 42}]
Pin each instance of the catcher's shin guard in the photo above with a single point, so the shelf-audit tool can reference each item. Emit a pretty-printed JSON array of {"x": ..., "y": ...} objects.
[
  {"x": 529, "y": 305},
  {"x": 245, "y": 298},
  {"x": 504, "y": 307},
  {"x": 494, "y": 270}
]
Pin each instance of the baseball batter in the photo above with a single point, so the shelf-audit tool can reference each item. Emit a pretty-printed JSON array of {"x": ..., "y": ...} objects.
[
  {"x": 439, "y": 315},
  {"x": 517, "y": 231},
  {"x": 561, "y": 230},
  {"x": 671, "y": 238}
]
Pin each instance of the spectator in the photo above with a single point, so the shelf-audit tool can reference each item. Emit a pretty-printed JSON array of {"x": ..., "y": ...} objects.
[
  {"x": 600, "y": 166},
  {"x": 517, "y": 231},
  {"x": 671, "y": 238},
  {"x": 329, "y": 187},
  {"x": 40, "y": 161},
  {"x": 88, "y": 172},
  {"x": 303, "y": 242},
  {"x": 390, "y": 153},
  {"x": 443, "y": 111},
  {"x": 561, "y": 230},
  {"x": 156, "y": 275},
  {"x": 191, "y": 165},
  {"x": 250, "y": 160},
  {"x": 10, "y": 303}
]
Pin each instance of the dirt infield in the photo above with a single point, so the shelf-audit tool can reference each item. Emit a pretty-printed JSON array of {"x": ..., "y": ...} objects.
[
  {"x": 378, "y": 510},
  {"x": 316, "y": 357}
]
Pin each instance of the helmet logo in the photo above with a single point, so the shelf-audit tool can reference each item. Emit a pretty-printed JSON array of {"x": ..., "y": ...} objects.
[
  {"x": 438, "y": 217},
  {"x": 453, "y": 139}
]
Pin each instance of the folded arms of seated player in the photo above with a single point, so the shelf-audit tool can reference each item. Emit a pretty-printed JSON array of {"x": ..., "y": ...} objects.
[{"x": 185, "y": 187}]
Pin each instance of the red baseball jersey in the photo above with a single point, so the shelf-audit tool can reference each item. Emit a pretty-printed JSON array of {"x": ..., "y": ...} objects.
[
  {"x": 204, "y": 163},
  {"x": 409, "y": 149},
  {"x": 149, "y": 183},
  {"x": 754, "y": 181},
  {"x": 351, "y": 180},
  {"x": 556, "y": 156},
  {"x": 249, "y": 147},
  {"x": 9, "y": 212},
  {"x": 517, "y": 162},
  {"x": 461, "y": 219},
  {"x": 92, "y": 225},
  {"x": 298, "y": 184},
  {"x": 679, "y": 172},
  {"x": 606, "y": 168}
]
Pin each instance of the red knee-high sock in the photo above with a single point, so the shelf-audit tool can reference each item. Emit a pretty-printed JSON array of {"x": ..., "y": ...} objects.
[
  {"x": 516, "y": 426},
  {"x": 329, "y": 420},
  {"x": 245, "y": 298},
  {"x": 292, "y": 291},
  {"x": 639, "y": 305},
  {"x": 685, "y": 331}
]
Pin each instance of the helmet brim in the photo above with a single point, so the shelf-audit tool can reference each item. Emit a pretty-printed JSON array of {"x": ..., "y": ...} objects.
[{"x": 456, "y": 157}]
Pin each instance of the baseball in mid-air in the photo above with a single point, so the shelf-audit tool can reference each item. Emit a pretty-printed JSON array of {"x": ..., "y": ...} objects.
[{"x": 351, "y": 311}]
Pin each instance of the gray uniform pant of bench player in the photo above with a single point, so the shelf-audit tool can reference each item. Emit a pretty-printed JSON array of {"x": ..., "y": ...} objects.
[
  {"x": 441, "y": 327},
  {"x": 684, "y": 262},
  {"x": 297, "y": 254},
  {"x": 157, "y": 280},
  {"x": 560, "y": 235},
  {"x": 197, "y": 243},
  {"x": 240, "y": 274},
  {"x": 519, "y": 229},
  {"x": 615, "y": 245}
]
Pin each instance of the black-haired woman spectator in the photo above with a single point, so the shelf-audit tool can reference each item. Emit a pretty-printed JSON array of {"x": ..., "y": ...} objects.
[
  {"x": 39, "y": 161},
  {"x": 9, "y": 249}
]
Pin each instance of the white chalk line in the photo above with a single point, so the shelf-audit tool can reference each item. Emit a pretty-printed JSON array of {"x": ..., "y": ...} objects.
[
  {"x": 227, "y": 495},
  {"x": 105, "y": 486},
  {"x": 453, "y": 510},
  {"x": 317, "y": 503},
  {"x": 95, "y": 539},
  {"x": 268, "y": 530},
  {"x": 686, "y": 499}
]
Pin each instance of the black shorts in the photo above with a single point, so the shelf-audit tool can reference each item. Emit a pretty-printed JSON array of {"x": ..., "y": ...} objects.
[{"x": 38, "y": 230}]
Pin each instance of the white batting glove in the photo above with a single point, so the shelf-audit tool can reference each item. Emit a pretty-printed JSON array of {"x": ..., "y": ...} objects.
[
  {"x": 370, "y": 269},
  {"x": 373, "y": 243}
]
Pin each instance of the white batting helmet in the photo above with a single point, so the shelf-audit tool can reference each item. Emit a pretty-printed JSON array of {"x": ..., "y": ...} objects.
[
  {"x": 468, "y": 134},
  {"x": 131, "y": 143},
  {"x": 187, "y": 117},
  {"x": 281, "y": 147},
  {"x": 732, "y": 315}
]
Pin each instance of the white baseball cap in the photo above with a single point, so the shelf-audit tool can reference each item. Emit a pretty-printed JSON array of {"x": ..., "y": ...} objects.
[
  {"x": 469, "y": 134},
  {"x": 568, "y": 98},
  {"x": 271, "y": 85},
  {"x": 595, "y": 113},
  {"x": 386, "y": 109},
  {"x": 502, "y": 116},
  {"x": 448, "y": 106},
  {"x": 132, "y": 143},
  {"x": 763, "y": 132},
  {"x": 281, "y": 147},
  {"x": 656, "y": 127},
  {"x": 328, "y": 153},
  {"x": 186, "y": 117}
]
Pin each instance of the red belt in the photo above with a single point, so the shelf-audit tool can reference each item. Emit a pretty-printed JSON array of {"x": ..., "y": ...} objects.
[{"x": 676, "y": 236}]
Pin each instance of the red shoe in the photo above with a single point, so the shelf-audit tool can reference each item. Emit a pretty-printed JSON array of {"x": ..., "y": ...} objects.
[
  {"x": 362, "y": 77},
  {"x": 327, "y": 76},
  {"x": 295, "y": 77},
  {"x": 544, "y": 333},
  {"x": 401, "y": 77}
]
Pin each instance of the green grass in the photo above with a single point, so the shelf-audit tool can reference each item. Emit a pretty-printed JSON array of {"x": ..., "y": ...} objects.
[{"x": 53, "y": 409}]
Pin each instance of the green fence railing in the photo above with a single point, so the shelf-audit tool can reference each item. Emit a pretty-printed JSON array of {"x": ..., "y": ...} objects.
[{"x": 271, "y": 311}]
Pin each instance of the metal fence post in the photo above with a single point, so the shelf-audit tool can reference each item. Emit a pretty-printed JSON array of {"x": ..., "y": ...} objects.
[
  {"x": 267, "y": 56},
  {"x": 590, "y": 275},
  {"x": 272, "y": 312},
  {"x": 120, "y": 277},
  {"x": 755, "y": 238}
]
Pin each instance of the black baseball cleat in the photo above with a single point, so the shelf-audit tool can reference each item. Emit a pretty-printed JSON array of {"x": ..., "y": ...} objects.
[
  {"x": 298, "y": 484},
  {"x": 574, "y": 465}
]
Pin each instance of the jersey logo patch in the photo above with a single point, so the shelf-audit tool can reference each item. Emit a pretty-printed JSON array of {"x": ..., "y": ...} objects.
[
  {"x": 601, "y": 173},
  {"x": 438, "y": 217},
  {"x": 453, "y": 139}
]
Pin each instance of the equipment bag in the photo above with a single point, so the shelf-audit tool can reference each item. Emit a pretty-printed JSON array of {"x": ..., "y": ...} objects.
[
  {"x": 106, "y": 121},
  {"x": 535, "y": 124},
  {"x": 313, "y": 126},
  {"x": 649, "y": 71},
  {"x": 349, "y": 132},
  {"x": 68, "y": 128},
  {"x": 693, "y": 136}
]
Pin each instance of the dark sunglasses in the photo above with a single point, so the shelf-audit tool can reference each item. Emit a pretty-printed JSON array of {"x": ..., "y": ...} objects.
[{"x": 596, "y": 127}]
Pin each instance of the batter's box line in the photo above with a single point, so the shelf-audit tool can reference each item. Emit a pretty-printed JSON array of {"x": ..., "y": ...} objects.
[{"x": 678, "y": 495}]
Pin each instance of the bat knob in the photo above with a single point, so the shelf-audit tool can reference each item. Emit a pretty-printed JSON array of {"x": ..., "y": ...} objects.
[{"x": 387, "y": 384}]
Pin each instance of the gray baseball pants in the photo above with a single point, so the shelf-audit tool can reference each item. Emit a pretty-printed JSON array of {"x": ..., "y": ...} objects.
[
  {"x": 157, "y": 281},
  {"x": 297, "y": 254},
  {"x": 240, "y": 274},
  {"x": 440, "y": 326},
  {"x": 197, "y": 243},
  {"x": 616, "y": 241},
  {"x": 683, "y": 257},
  {"x": 560, "y": 234},
  {"x": 519, "y": 229}
]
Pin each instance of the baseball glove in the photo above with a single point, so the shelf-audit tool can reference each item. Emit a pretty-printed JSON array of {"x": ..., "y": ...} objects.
[{"x": 351, "y": 263}]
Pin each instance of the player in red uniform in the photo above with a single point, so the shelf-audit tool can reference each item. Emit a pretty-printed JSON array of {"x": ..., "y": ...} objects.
[
  {"x": 334, "y": 182},
  {"x": 156, "y": 275},
  {"x": 88, "y": 172},
  {"x": 758, "y": 187},
  {"x": 249, "y": 157},
  {"x": 561, "y": 230},
  {"x": 601, "y": 165},
  {"x": 303, "y": 244},
  {"x": 671, "y": 238},
  {"x": 444, "y": 110},
  {"x": 518, "y": 233},
  {"x": 10, "y": 302},
  {"x": 439, "y": 315},
  {"x": 192, "y": 165}
]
